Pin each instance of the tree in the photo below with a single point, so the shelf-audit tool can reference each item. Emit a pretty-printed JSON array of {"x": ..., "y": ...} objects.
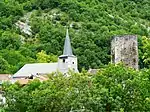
[
  {"x": 9, "y": 40},
  {"x": 146, "y": 50},
  {"x": 14, "y": 59},
  {"x": 4, "y": 66},
  {"x": 113, "y": 88},
  {"x": 42, "y": 57}
]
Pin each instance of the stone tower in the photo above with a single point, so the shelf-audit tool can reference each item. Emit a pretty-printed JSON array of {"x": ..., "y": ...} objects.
[
  {"x": 125, "y": 49},
  {"x": 67, "y": 60}
]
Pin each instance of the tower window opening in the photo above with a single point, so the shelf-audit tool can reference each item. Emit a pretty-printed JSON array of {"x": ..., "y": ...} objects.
[
  {"x": 72, "y": 62},
  {"x": 63, "y": 60}
]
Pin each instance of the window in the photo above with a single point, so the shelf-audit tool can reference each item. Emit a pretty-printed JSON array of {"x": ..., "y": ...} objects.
[
  {"x": 72, "y": 62},
  {"x": 63, "y": 60}
]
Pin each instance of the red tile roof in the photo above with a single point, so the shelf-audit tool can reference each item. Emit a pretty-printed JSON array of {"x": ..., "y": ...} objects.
[
  {"x": 5, "y": 77},
  {"x": 25, "y": 81}
]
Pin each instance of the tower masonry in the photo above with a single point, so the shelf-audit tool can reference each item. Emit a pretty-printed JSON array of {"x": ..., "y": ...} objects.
[{"x": 125, "y": 49}]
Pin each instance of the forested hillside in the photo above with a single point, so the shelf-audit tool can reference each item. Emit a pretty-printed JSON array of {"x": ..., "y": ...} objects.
[{"x": 91, "y": 26}]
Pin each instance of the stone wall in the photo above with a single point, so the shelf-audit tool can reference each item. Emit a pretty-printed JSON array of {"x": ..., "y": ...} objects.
[{"x": 125, "y": 49}]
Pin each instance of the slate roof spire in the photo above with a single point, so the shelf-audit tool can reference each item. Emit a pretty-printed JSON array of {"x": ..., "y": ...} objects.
[{"x": 67, "y": 46}]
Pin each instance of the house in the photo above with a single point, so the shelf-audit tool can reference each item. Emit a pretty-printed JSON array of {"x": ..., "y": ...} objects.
[
  {"x": 3, "y": 77},
  {"x": 24, "y": 81},
  {"x": 67, "y": 61},
  {"x": 93, "y": 71}
]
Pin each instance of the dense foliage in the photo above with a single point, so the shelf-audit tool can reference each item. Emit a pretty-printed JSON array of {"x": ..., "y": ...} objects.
[
  {"x": 112, "y": 89},
  {"x": 92, "y": 24}
]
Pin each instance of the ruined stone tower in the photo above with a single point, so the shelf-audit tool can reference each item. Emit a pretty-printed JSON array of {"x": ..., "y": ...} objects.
[{"x": 125, "y": 49}]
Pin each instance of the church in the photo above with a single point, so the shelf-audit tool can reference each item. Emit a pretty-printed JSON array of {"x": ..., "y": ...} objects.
[{"x": 67, "y": 61}]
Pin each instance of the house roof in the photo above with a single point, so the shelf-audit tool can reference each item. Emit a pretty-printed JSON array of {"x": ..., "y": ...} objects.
[
  {"x": 93, "y": 71},
  {"x": 26, "y": 81},
  {"x": 5, "y": 77},
  {"x": 36, "y": 68}
]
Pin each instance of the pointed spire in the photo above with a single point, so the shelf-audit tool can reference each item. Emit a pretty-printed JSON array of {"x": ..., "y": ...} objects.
[{"x": 67, "y": 47}]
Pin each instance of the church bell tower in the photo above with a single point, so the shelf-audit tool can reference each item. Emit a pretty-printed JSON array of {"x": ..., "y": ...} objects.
[{"x": 67, "y": 60}]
